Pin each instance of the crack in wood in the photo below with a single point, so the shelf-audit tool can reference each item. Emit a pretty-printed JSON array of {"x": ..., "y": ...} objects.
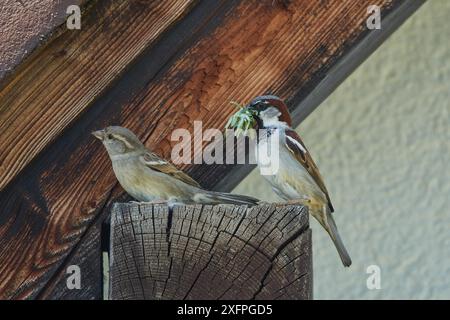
[
  {"x": 207, "y": 251},
  {"x": 163, "y": 74},
  {"x": 277, "y": 253}
]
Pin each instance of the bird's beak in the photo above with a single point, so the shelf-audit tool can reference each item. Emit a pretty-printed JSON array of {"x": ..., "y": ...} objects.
[
  {"x": 253, "y": 108},
  {"x": 250, "y": 107},
  {"x": 99, "y": 134}
]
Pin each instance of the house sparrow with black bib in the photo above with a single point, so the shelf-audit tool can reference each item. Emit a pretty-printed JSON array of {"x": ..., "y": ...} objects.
[
  {"x": 148, "y": 178},
  {"x": 296, "y": 177}
]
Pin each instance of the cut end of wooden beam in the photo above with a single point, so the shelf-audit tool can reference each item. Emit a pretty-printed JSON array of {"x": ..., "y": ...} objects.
[{"x": 210, "y": 252}]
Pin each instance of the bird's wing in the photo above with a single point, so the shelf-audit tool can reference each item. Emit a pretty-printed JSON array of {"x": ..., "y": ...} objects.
[
  {"x": 296, "y": 146},
  {"x": 154, "y": 162}
]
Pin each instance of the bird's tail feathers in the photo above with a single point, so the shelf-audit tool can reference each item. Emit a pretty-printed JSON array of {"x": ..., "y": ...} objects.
[
  {"x": 229, "y": 198},
  {"x": 334, "y": 234}
]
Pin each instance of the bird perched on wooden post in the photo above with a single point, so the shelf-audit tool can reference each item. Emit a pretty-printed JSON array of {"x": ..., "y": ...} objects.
[
  {"x": 296, "y": 177},
  {"x": 147, "y": 177}
]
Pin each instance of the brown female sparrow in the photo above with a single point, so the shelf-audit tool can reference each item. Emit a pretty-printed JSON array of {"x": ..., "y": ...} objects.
[
  {"x": 296, "y": 176},
  {"x": 147, "y": 177}
]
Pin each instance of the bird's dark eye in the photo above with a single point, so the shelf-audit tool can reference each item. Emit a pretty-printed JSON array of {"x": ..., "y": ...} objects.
[
  {"x": 261, "y": 106},
  {"x": 109, "y": 136}
]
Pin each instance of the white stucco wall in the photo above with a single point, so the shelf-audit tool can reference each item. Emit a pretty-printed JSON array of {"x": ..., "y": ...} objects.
[
  {"x": 382, "y": 143},
  {"x": 24, "y": 24}
]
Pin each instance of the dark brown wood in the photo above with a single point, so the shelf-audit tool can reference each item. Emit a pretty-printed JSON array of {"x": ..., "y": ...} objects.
[
  {"x": 57, "y": 187},
  {"x": 25, "y": 25},
  {"x": 57, "y": 84},
  {"x": 25, "y": 197},
  {"x": 330, "y": 76},
  {"x": 210, "y": 252},
  {"x": 87, "y": 255}
]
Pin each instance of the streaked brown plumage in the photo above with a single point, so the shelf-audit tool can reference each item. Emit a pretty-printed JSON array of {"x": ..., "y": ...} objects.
[
  {"x": 297, "y": 177},
  {"x": 147, "y": 177}
]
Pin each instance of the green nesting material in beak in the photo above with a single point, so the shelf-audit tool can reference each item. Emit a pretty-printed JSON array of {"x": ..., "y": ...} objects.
[{"x": 243, "y": 121}]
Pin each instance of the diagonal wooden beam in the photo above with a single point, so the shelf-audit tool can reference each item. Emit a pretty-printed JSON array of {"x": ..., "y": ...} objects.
[
  {"x": 331, "y": 75},
  {"x": 240, "y": 49},
  {"x": 58, "y": 83}
]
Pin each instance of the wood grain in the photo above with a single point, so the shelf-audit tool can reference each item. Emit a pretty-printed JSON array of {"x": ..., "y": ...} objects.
[
  {"x": 220, "y": 51},
  {"x": 210, "y": 252},
  {"x": 55, "y": 86},
  {"x": 25, "y": 25},
  {"x": 252, "y": 52}
]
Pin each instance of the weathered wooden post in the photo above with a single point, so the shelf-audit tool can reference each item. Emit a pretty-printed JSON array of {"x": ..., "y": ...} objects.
[{"x": 210, "y": 252}]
